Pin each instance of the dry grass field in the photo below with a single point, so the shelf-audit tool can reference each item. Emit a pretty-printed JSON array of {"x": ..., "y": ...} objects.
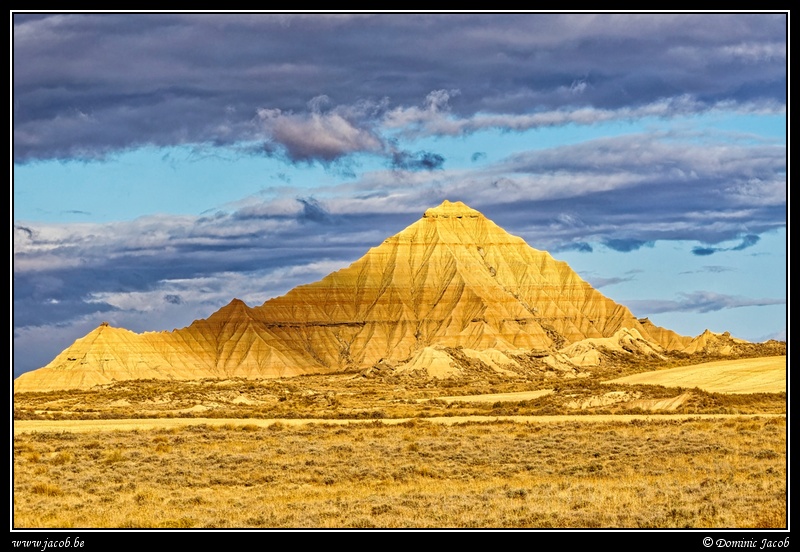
[
  {"x": 209, "y": 454},
  {"x": 747, "y": 375},
  {"x": 690, "y": 473}
]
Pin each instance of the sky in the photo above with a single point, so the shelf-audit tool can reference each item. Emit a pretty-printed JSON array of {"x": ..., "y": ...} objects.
[{"x": 165, "y": 163}]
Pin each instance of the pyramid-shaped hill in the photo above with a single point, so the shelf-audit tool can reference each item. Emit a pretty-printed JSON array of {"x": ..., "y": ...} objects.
[{"x": 452, "y": 279}]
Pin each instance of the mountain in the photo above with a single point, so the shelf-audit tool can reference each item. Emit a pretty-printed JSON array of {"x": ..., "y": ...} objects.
[{"x": 453, "y": 279}]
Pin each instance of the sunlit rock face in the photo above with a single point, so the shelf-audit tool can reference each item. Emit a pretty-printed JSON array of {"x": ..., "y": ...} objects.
[{"x": 452, "y": 279}]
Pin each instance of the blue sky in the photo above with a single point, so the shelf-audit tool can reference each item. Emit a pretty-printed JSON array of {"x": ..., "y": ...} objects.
[{"x": 166, "y": 163}]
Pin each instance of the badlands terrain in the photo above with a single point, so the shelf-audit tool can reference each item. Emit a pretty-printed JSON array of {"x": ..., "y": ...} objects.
[{"x": 452, "y": 377}]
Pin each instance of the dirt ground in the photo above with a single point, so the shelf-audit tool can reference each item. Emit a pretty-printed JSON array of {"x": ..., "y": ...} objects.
[
  {"x": 86, "y": 426},
  {"x": 498, "y": 397}
]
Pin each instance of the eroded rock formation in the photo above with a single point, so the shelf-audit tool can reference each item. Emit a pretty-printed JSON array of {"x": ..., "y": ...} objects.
[{"x": 452, "y": 279}]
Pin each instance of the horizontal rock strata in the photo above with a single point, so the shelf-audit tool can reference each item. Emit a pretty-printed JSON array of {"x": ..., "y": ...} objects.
[{"x": 452, "y": 279}]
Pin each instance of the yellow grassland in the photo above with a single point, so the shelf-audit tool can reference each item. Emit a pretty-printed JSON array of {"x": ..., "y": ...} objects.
[
  {"x": 745, "y": 375},
  {"x": 660, "y": 473},
  {"x": 349, "y": 451}
]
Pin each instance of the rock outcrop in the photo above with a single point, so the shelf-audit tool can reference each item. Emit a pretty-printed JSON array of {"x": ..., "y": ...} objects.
[{"x": 452, "y": 279}]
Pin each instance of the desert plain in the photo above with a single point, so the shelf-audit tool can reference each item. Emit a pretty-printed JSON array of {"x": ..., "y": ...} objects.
[{"x": 398, "y": 451}]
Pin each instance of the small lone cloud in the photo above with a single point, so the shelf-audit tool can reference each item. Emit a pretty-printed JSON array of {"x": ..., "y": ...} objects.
[
  {"x": 714, "y": 269},
  {"x": 705, "y": 251},
  {"x": 626, "y": 245},
  {"x": 478, "y": 156},
  {"x": 747, "y": 241},
  {"x": 173, "y": 299},
  {"x": 316, "y": 136},
  {"x": 717, "y": 268},
  {"x": 419, "y": 161}
]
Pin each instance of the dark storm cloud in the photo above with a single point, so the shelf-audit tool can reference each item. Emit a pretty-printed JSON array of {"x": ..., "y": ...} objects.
[
  {"x": 37, "y": 313},
  {"x": 88, "y": 85},
  {"x": 699, "y": 301}
]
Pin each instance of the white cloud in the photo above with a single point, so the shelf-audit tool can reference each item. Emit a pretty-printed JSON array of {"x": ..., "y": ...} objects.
[{"x": 318, "y": 136}]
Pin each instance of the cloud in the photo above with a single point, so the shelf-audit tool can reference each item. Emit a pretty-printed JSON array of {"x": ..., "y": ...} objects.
[
  {"x": 747, "y": 241},
  {"x": 419, "y": 161},
  {"x": 626, "y": 245},
  {"x": 416, "y": 122},
  {"x": 581, "y": 247},
  {"x": 324, "y": 137},
  {"x": 38, "y": 311},
  {"x": 624, "y": 192},
  {"x": 699, "y": 301},
  {"x": 714, "y": 269},
  {"x": 777, "y": 336},
  {"x": 598, "y": 282},
  {"x": 88, "y": 85},
  {"x": 313, "y": 211},
  {"x": 629, "y": 190},
  {"x": 62, "y": 271},
  {"x": 19, "y": 230}
]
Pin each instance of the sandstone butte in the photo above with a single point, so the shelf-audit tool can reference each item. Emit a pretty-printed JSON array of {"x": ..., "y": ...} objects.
[{"x": 452, "y": 279}]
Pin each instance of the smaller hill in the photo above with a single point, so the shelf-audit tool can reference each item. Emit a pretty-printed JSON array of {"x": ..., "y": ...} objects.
[{"x": 589, "y": 352}]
